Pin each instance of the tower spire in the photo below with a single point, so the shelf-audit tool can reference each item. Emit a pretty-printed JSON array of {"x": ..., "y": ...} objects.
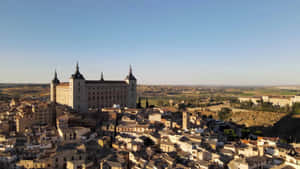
[
  {"x": 55, "y": 79},
  {"x": 130, "y": 69},
  {"x": 77, "y": 67},
  {"x": 77, "y": 74},
  {"x": 130, "y": 76},
  {"x": 55, "y": 74},
  {"x": 102, "y": 79}
]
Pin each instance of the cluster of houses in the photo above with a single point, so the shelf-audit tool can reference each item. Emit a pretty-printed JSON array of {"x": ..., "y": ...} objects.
[{"x": 37, "y": 134}]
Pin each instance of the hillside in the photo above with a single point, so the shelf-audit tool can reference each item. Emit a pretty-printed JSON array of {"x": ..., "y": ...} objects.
[
  {"x": 288, "y": 127},
  {"x": 256, "y": 118}
]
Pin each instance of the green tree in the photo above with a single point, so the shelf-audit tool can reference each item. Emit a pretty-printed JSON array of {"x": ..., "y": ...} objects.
[
  {"x": 147, "y": 103},
  {"x": 181, "y": 107},
  {"x": 296, "y": 108},
  {"x": 160, "y": 103},
  {"x": 139, "y": 104},
  {"x": 224, "y": 113}
]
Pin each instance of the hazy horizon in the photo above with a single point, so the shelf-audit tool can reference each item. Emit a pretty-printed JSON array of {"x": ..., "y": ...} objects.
[
  {"x": 184, "y": 85},
  {"x": 229, "y": 43}
]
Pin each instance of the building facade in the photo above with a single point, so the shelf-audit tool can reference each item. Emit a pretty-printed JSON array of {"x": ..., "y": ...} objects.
[
  {"x": 281, "y": 101},
  {"x": 35, "y": 114},
  {"x": 82, "y": 94}
]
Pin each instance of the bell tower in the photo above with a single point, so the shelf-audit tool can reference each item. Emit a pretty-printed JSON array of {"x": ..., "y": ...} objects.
[{"x": 53, "y": 85}]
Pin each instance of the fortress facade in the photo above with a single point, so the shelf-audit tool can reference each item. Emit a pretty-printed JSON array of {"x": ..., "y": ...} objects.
[{"x": 82, "y": 94}]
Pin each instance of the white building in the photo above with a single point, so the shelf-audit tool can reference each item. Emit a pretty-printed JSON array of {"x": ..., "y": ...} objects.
[{"x": 81, "y": 94}]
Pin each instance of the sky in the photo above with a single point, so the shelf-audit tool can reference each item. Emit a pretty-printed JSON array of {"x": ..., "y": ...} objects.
[{"x": 194, "y": 42}]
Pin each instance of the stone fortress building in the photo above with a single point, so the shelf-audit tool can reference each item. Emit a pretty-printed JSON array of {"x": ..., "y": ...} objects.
[{"x": 82, "y": 94}]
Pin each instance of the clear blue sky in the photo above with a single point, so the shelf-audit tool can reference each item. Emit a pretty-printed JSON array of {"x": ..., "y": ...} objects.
[{"x": 224, "y": 42}]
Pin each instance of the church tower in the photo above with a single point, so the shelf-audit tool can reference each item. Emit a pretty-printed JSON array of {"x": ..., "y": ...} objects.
[
  {"x": 78, "y": 96},
  {"x": 53, "y": 85},
  {"x": 132, "y": 83},
  {"x": 185, "y": 120}
]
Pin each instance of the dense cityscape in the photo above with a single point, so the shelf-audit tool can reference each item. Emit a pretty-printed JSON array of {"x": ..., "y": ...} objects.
[{"x": 57, "y": 131}]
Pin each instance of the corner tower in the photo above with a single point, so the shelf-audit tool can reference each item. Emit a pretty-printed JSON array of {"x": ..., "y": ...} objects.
[
  {"x": 78, "y": 97},
  {"x": 132, "y": 83},
  {"x": 53, "y": 85}
]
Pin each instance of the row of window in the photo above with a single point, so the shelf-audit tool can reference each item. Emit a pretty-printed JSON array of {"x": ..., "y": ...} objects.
[
  {"x": 107, "y": 88},
  {"x": 104, "y": 105},
  {"x": 93, "y": 98},
  {"x": 106, "y": 93}
]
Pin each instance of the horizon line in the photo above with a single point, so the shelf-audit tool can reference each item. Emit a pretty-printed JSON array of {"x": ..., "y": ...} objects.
[{"x": 202, "y": 85}]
